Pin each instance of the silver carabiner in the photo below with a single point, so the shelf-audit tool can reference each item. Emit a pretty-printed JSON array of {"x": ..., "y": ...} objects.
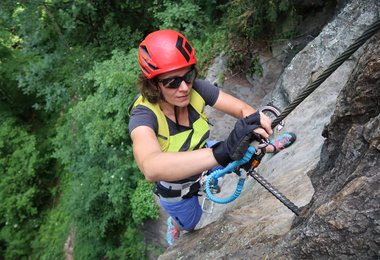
[{"x": 276, "y": 112}]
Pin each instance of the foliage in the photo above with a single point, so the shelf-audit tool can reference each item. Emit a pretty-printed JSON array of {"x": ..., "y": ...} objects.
[
  {"x": 208, "y": 48},
  {"x": 42, "y": 72},
  {"x": 12, "y": 61},
  {"x": 142, "y": 203},
  {"x": 92, "y": 142},
  {"x": 254, "y": 24},
  {"x": 184, "y": 16},
  {"x": 131, "y": 236},
  {"x": 255, "y": 66},
  {"x": 56, "y": 227},
  {"x": 256, "y": 18},
  {"x": 19, "y": 191},
  {"x": 65, "y": 38}
]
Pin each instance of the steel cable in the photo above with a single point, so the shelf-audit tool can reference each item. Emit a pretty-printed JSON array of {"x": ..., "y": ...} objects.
[
  {"x": 326, "y": 73},
  {"x": 275, "y": 192}
]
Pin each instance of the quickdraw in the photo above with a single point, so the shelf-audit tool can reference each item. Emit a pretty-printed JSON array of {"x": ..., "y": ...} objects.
[{"x": 244, "y": 167}]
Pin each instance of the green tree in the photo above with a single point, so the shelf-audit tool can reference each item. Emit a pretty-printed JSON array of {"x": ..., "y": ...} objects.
[
  {"x": 258, "y": 18},
  {"x": 19, "y": 190},
  {"x": 184, "y": 16},
  {"x": 12, "y": 61},
  {"x": 65, "y": 38},
  {"x": 93, "y": 143}
]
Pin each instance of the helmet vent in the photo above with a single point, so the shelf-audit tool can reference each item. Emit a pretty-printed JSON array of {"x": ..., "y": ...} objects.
[
  {"x": 150, "y": 65},
  {"x": 188, "y": 47},
  {"x": 145, "y": 70},
  {"x": 179, "y": 46},
  {"x": 144, "y": 49}
]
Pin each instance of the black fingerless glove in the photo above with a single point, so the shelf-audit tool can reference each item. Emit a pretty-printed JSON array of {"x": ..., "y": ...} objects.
[{"x": 237, "y": 143}]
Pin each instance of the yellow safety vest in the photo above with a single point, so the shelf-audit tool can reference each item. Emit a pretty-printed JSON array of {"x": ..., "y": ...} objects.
[{"x": 173, "y": 143}]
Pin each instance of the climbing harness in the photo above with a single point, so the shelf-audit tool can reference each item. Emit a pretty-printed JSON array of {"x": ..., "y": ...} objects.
[
  {"x": 174, "y": 192},
  {"x": 252, "y": 158}
]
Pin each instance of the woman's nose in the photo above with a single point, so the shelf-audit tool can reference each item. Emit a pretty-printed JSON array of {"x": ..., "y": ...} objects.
[{"x": 183, "y": 85}]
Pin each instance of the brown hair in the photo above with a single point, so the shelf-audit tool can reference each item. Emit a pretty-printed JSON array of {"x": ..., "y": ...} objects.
[{"x": 149, "y": 89}]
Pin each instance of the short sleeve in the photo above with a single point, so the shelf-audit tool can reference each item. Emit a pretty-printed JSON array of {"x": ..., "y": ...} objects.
[
  {"x": 142, "y": 116},
  {"x": 209, "y": 92}
]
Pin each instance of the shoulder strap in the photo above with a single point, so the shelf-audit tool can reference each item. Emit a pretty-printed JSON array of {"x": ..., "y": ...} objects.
[
  {"x": 197, "y": 102},
  {"x": 163, "y": 134},
  {"x": 163, "y": 128},
  {"x": 133, "y": 104}
]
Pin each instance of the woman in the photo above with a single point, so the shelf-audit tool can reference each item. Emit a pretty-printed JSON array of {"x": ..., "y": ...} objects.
[{"x": 169, "y": 128}]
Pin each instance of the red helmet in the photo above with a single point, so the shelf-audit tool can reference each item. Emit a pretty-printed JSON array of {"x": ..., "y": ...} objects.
[{"x": 163, "y": 51}]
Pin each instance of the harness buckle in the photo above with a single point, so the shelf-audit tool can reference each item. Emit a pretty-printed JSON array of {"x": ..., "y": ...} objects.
[{"x": 185, "y": 191}]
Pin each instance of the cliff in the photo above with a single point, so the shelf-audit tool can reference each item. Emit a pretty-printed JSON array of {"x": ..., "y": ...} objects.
[{"x": 331, "y": 172}]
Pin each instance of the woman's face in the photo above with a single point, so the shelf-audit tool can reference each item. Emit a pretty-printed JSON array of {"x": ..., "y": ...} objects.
[{"x": 176, "y": 85}]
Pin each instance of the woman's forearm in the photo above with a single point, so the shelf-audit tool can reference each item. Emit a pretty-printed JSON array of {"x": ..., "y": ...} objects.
[{"x": 167, "y": 166}]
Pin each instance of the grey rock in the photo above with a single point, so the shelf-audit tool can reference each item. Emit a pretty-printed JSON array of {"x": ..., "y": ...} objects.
[{"x": 336, "y": 36}]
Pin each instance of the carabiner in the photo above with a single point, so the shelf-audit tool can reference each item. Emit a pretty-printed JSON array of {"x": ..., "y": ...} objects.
[{"x": 276, "y": 112}]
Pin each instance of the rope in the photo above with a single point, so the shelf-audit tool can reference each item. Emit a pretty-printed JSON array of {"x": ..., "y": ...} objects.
[
  {"x": 326, "y": 73},
  {"x": 227, "y": 170}
]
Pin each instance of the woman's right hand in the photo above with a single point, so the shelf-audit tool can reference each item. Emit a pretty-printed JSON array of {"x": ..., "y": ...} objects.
[{"x": 238, "y": 141}]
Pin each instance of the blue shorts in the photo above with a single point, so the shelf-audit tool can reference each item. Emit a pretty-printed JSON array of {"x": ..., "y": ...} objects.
[{"x": 187, "y": 212}]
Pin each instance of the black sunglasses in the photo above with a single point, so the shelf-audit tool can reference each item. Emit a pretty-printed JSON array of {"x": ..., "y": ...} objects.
[{"x": 175, "y": 82}]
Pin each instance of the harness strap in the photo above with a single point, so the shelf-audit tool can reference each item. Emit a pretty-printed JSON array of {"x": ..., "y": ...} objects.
[{"x": 176, "y": 191}]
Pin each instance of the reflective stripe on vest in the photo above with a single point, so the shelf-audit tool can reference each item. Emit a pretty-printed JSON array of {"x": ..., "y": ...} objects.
[{"x": 173, "y": 143}]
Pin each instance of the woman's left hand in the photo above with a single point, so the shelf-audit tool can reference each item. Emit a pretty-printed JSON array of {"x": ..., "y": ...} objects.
[{"x": 265, "y": 129}]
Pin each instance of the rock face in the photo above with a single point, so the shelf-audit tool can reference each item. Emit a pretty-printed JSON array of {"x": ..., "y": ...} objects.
[
  {"x": 332, "y": 171},
  {"x": 342, "y": 220},
  {"x": 335, "y": 37}
]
